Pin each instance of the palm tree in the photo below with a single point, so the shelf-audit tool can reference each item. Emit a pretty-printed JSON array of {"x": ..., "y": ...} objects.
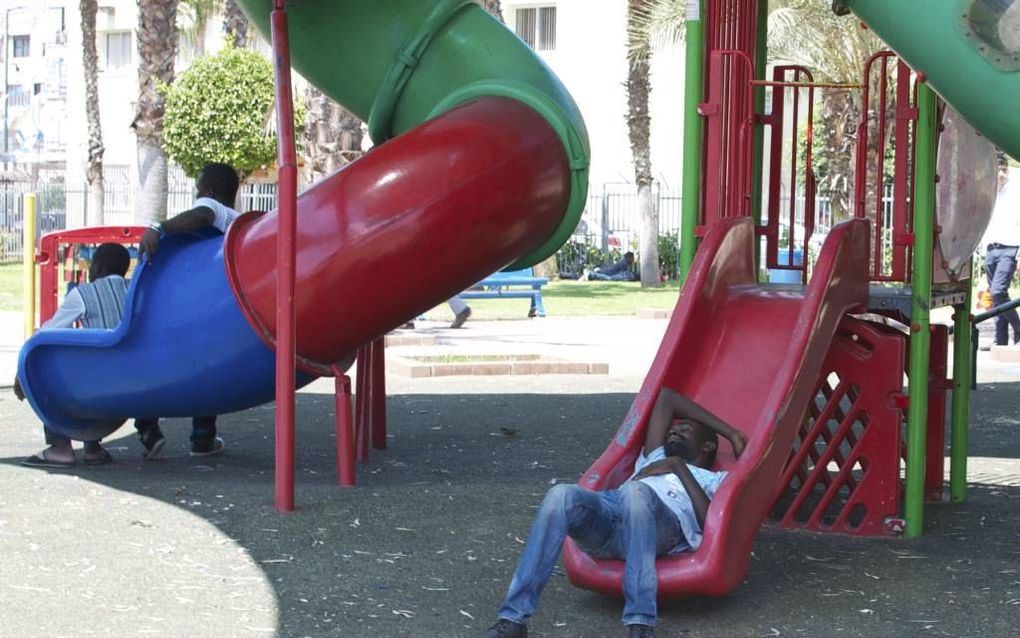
[
  {"x": 808, "y": 33},
  {"x": 157, "y": 49},
  {"x": 639, "y": 124},
  {"x": 90, "y": 62},
  {"x": 235, "y": 23},
  {"x": 193, "y": 18},
  {"x": 332, "y": 136},
  {"x": 494, "y": 7}
]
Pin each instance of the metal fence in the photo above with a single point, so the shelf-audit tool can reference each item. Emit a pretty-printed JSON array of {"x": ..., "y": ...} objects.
[
  {"x": 61, "y": 205},
  {"x": 610, "y": 224}
]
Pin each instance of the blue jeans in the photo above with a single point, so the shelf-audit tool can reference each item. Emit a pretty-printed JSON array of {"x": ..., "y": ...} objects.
[
  {"x": 59, "y": 440},
  {"x": 203, "y": 428},
  {"x": 630, "y": 523},
  {"x": 52, "y": 438},
  {"x": 1000, "y": 264}
]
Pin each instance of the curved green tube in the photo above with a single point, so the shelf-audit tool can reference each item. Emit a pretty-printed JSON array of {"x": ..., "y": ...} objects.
[
  {"x": 397, "y": 63},
  {"x": 955, "y": 43}
]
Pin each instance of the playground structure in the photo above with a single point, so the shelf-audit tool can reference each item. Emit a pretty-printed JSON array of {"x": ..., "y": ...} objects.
[
  {"x": 824, "y": 404},
  {"x": 487, "y": 168}
]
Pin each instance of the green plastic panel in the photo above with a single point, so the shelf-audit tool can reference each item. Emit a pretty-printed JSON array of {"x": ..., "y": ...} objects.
[{"x": 397, "y": 63}]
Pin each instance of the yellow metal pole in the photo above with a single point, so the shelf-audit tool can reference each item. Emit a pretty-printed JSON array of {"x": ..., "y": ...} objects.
[{"x": 28, "y": 250}]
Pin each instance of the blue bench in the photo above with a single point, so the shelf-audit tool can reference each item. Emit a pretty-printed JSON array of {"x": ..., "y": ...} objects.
[{"x": 514, "y": 284}]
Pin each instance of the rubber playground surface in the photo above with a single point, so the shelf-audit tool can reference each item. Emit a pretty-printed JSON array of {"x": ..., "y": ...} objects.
[{"x": 426, "y": 544}]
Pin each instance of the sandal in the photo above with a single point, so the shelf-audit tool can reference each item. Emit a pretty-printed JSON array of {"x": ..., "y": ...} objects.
[
  {"x": 99, "y": 460},
  {"x": 40, "y": 460}
]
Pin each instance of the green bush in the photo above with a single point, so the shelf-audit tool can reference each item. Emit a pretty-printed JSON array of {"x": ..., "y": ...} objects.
[
  {"x": 218, "y": 109},
  {"x": 669, "y": 254},
  {"x": 575, "y": 256}
]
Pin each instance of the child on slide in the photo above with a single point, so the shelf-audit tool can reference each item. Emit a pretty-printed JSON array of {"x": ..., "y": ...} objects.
[{"x": 98, "y": 304}]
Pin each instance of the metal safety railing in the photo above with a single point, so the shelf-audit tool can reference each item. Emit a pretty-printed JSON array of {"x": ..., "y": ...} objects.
[{"x": 980, "y": 318}]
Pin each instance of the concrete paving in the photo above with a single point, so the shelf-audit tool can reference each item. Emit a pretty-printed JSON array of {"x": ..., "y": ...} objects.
[{"x": 426, "y": 544}]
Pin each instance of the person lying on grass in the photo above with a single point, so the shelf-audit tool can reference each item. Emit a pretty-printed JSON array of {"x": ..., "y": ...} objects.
[{"x": 660, "y": 510}]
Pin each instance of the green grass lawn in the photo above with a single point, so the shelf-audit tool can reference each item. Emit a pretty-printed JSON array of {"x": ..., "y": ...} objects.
[
  {"x": 562, "y": 299},
  {"x": 573, "y": 299},
  {"x": 10, "y": 286}
]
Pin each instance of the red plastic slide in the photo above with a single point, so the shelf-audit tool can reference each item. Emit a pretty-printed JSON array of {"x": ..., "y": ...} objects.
[{"x": 752, "y": 356}]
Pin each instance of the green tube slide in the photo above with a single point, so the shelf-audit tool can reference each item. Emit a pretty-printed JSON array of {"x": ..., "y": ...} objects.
[
  {"x": 969, "y": 50},
  {"x": 397, "y": 63}
]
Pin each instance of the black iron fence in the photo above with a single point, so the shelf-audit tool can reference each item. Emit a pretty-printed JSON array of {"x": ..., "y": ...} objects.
[
  {"x": 609, "y": 227},
  {"x": 61, "y": 205}
]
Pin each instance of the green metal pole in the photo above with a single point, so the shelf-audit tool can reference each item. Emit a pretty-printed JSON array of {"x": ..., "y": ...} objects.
[
  {"x": 961, "y": 400},
  {"x": 920, "y": 338},
  {"x": 693, "y": 86},
  {"x": 760, "y": 62}
]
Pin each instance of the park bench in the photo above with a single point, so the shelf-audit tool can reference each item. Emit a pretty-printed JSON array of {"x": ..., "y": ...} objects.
[{"x": 514, "y": 284}]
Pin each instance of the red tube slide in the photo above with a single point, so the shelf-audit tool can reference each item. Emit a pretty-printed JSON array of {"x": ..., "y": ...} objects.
[{"x": 406, "y": 227}]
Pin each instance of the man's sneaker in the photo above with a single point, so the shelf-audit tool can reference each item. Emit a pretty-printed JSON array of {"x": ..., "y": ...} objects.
[
  {"x": 153, "y": 442},
  {"x": 641, "y": 631},
  {"x": 506, "y": 629},
  {"x": 461, "y": 317},
  {"x": 207, "y": 448}
]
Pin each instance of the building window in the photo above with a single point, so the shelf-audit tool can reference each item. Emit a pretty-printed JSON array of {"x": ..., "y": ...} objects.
[
  {"x": 537, "y": 27},
  {"x": 57, "y": 25},
  {"x": 21, "y": 46},
  {"x": 118, "y": 50}
]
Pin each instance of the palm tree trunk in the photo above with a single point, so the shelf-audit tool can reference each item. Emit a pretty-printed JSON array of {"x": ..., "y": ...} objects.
[
  {"x": 235, "y": 24},
  {"x": 838, "y": 134},
  {"x": 639, "y": 124},
  {"x": 90, "y": 63},
  {"x": 157, "y": 49},
  {"x": 494, "y": 7},
  {"x": 332, "y": 136}
]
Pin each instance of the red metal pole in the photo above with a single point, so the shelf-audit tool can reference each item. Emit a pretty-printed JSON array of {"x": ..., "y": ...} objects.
[
  {"x": 287, "y": 205},
  {"x": 379, "y": 394},
  {"x": 344, "y": 430},
  {"x": 363, "y": 413}
]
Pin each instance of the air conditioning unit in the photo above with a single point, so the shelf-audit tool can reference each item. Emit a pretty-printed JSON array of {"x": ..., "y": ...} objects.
[{"x": 60, "y": 37}]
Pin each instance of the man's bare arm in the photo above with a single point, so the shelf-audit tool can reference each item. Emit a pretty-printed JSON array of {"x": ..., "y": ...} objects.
[
  {"x": 676, "y": 465},
  {"x": 699, "y": 499},
  {"x": 673, "y": 405},
  {"x": 194, "y": 219},
  {"x": 661, "y": 418}
]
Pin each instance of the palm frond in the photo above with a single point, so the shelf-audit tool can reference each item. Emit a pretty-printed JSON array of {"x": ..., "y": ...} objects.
[
  {"x": 806, "y": 32},
  {"x": 654, "y": 24},
  {"x": 193, "y": 16}
]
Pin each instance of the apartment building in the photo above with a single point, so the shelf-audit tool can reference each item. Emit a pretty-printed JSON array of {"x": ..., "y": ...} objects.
[
  {"x": 34, "y": 108},
  {"x": 583, "y": 42}
]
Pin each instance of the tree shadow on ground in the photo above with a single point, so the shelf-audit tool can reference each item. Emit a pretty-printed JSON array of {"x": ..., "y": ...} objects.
[{"x": 426, "y": 544}]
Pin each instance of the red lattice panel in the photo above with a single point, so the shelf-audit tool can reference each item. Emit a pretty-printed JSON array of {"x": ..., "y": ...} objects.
[{"x": 843, "y": 474}]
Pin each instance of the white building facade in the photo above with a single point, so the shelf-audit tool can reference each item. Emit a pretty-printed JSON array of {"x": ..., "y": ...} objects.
[
  {"x": 583, "y": 42},
  {"x": 35, "y": 80}
]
